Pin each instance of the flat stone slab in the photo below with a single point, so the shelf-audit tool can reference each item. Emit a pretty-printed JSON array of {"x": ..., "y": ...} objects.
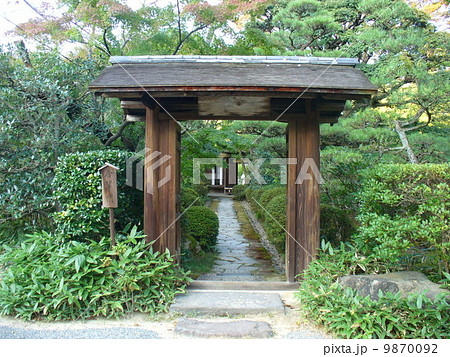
[
  {"x": 405, "y": 282},
  {"x": 228, "y": 303},
  {"x": 226, "y": 329}
]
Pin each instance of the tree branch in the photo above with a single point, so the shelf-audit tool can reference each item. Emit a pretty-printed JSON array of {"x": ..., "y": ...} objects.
[
  {"x": 118, "y": 134},
  {"x": 105, "y": 41},
  {"x": 187, "y": 36}
]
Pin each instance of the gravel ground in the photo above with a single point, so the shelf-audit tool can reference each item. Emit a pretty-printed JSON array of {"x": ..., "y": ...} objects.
[{"x": 90, "y": 333}]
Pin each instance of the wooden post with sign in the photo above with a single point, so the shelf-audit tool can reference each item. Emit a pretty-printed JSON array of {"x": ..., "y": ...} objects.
[{"x": 109, "y": 194}]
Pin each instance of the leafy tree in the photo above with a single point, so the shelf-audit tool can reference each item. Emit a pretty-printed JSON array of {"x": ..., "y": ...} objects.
[
  {"x": 46, "y": 112},
  {"x": 408, "y": 59}
]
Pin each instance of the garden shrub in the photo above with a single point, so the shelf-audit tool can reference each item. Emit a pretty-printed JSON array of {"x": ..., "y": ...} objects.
[
  {"x": 189, "y": 197},
  {"x": 269, "y": 193},
  {"x": 347, "y": 315},
  {"x": 202, "y": 190},
  {"x": 253, "y": 196},
  {"x": 405, "y": 216},
  {"x": 202, "y": 224},
  {"x": 239, "y": 192},
  {"x": 335, "y": 224},
  {"x": 47, "y": 277},
  {"x": 341, "y": 169},
  {"x": 253, "y": 192},
  {"x": 78, "y": 191},
  {"x": 275, "y": 222}
]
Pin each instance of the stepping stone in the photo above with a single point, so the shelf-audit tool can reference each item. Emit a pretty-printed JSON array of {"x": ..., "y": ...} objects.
[
  {"x": 226, "y": 329},
  {"x": 228, "y": 303}
]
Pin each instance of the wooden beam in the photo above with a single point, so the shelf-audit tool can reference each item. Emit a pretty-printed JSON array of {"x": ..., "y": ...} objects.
[
  {"x": 192, "y": 116},
  {"x": 132, "y": 104},
  {"x": 233, "y": 106},
  {"x": 135, "y": 118}
]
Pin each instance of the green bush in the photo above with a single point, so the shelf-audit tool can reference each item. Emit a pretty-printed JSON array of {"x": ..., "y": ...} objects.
[
  {"x": 50, "y": 278},
  {"x": 239, "y": 192},
  {"x": 253, "y": 196},
  {"x": 203, "y": 225},
  {"x": 341, "y": 169},
  {"x": 335, "y": 224},
  {"x": 405, "y": 210},
  {"x": 275, "y": 221},
  {"x": 269, "y": 193},
  {"x": 202, "y": 190},
  {"x": 189, "y": 197},
  {"x": 347, "y": 315},
  {"x": 78, "y": 190},
  {"x": 253, "y": 192}
]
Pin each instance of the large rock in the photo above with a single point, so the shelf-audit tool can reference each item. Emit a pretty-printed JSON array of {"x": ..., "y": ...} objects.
[
  {"x": 223, "y": 329},
  {"x": 405, "y": 282}
]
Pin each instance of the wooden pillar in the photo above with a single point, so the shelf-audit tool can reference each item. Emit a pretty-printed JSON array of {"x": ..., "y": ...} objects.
[
  {"x": 150, "y": 179},
  {"x": 303, "y": 204},
  {"x": 162, "y": 183}
]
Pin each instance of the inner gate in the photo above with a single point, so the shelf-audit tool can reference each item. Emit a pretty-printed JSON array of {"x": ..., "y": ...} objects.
[{"x": 302, "y": 91}]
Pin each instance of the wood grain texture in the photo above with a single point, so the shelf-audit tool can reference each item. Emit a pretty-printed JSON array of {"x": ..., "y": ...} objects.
[
  {"x": 303, "y": 210},
  {"x": 291, "y": 211},
  {"x": 162, "y": 184},
  {"x": 109, "y": 187},
  {"x": 237, "y": 106},
  {"x": 150, "y": 180}
]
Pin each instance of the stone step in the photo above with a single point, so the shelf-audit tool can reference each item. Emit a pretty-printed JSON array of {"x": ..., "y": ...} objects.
[
  {"x": 225, "y": 303},
  {"x": 243, "y": 285},
  {"x": 223, "y": 329}
]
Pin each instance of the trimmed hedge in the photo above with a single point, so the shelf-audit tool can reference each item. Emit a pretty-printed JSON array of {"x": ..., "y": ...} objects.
[
  {"x": 78, "y": 191},
  {"x": 275, "y": 221},
  {"x": 336, "y": 225},
  {"x": 202, "y": 224},
  {"x": 189, "y": 197},
  {"x": 270, "y": 193},
  {"x": 239, "y": 192}
]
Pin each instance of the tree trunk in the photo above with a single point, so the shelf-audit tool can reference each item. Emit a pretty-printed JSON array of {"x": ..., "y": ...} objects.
[{"x": 402, "y": 135}]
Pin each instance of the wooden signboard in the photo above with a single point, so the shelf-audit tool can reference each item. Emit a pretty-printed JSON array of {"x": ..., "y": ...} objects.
[
  {"x": 109, "y": 194},
  {"x": 109, "y": 185}
]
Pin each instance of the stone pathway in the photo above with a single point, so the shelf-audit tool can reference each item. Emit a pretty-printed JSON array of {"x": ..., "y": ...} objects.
[{"x": 239, "y": 258}]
